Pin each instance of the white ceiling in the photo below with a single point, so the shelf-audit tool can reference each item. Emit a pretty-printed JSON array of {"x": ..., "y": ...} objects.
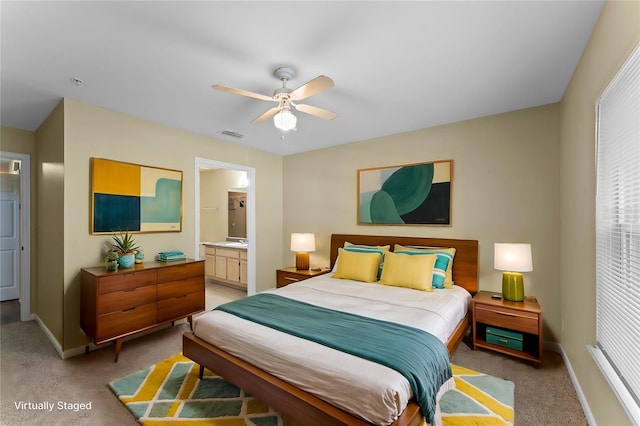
[{"x": 397, "y": 66}]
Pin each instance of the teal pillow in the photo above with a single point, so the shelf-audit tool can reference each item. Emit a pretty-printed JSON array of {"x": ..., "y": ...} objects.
[{"x": 439, "y": 269}]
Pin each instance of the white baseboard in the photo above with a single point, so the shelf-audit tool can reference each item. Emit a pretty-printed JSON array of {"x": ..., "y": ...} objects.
[
  {"x": 556, "y": 347},
  {"x": 57, "y": 346}
]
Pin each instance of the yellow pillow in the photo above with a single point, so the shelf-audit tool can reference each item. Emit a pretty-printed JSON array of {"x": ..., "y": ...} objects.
[
  {"x": 369, "y": 249},
  {"x": 357, "y": 266},
  {"x": 442, "y": 278},
  {"x": 405, "y": 270}
]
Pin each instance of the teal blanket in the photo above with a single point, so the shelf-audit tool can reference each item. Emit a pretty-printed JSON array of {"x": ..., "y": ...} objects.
[{"x": 416, "y": 354}]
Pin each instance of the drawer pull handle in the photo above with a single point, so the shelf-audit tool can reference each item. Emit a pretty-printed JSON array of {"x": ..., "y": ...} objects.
[
  {"x": 507, "y": 314},
  {"x": 503, "y": 341},
  {"x": 291, "y": 279}
]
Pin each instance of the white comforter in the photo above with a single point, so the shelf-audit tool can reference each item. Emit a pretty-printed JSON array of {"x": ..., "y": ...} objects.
[{"x": 369, "y": 390}]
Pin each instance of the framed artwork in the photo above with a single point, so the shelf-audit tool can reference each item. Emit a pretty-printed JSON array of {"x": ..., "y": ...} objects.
[
  {"x": 134, "y": 198},
  {"x": 412, "y": 194}
]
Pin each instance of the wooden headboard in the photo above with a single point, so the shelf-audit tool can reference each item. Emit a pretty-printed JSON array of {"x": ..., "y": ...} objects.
[{"x": 465, "y": 263}]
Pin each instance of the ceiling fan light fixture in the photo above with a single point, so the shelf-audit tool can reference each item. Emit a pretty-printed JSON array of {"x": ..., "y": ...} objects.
[{"x": 285, "y": 120}]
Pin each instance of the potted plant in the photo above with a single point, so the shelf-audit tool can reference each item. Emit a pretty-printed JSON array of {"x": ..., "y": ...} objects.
[
  {"x": 125, "y": 245},
  {"x": 111, "y": 260}
]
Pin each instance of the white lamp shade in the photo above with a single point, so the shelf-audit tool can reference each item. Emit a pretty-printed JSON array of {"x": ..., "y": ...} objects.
[
  {"x": 512, "y": 257},
  {"x": 285, "y": 120},
  {"x": 303, "y": 242}
]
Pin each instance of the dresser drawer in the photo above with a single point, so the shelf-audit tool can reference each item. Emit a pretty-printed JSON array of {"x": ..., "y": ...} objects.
[
  {"x": 180, "y": 272},
  {"x": 126, "y": 281},
  {"x": 180, "y": 307},
  {"x": 504, "y": 317},
  {"x": 180, "y": 288},
  {"x": 122, "y": 322},
  {"x": 126, "y": 299}
]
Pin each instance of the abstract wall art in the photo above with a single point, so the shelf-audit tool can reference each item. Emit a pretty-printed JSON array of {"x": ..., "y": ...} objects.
[
  {"x": 134, "y": 198},
  {"x": 412, "y": 194}
]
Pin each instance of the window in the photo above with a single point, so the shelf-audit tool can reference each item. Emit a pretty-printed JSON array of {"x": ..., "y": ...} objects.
[{"x": 618, "y": 235}]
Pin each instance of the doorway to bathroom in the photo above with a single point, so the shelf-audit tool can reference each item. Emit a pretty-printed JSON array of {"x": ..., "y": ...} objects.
[{"x": 225, "y": 229}]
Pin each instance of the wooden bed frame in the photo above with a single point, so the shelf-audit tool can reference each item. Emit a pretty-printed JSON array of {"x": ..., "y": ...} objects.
[{"x": 301, "y": 406}]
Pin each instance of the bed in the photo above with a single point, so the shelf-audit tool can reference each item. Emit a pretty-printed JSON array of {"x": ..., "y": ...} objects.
[{"x": 304, "y": 406}]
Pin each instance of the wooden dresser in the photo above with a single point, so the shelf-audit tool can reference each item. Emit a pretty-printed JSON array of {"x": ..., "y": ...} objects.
[{"x": 115, "y": 304}]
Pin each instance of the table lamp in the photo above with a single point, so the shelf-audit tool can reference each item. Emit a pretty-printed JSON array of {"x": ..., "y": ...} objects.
[
  {"x": 513, "y": 259},
  {"x": 302, "y": 244}
]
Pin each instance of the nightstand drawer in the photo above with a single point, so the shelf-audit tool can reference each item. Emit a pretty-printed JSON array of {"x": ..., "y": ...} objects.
[
  {"x": 286, "y": 276},
  {"x": 509, "y": 318},
  {"x": 284, "y": 279}
]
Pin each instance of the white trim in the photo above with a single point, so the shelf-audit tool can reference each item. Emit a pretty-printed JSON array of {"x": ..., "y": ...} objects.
[
  {"x": 556, "y": 347},
  {"x": 25, "y": 231},
  {"x": 57, "y": 346},
  {"x": 251, "y": 213},
  {"x": 631, "y": 407}
]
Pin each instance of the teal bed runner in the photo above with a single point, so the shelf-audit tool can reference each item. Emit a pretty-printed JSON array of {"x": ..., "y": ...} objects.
[{"x": 416, "y": 354}]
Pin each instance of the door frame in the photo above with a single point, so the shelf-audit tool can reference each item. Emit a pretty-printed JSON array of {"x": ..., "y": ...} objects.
[
  {"x": 251, "y": 213},
  {"x": 25, "y": 231}
]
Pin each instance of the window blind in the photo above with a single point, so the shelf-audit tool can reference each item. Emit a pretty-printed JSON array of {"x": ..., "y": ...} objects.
[{"x": 618, "y": 229}]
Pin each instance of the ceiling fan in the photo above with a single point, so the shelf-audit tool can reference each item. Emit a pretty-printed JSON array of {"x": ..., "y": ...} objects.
[{"x": 282, "y": 116}]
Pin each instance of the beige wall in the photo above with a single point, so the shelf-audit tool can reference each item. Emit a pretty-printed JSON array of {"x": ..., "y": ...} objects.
[
  {"x": 505, "y": 189},
  {"x": 50, "y": 237},
  {"x": 24, "y": 142},
  {"x": 96, "y": 132},
  {"x": 615, "y": 35}
]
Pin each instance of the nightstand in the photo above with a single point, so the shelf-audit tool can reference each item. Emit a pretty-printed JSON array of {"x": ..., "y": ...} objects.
[
  {"x": 511, "y": 325},
  {"x": 286, "y": 276}
]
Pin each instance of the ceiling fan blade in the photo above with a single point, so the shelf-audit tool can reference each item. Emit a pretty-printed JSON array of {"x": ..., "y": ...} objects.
[
  {"x": 318, "y": 112},
  {"x": 242, "y": 92},
  {"x": 316, "y": 85},
  {"x": 270, "y": 113}
]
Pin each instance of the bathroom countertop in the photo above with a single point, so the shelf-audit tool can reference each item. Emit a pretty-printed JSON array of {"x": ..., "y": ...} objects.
[{"x": 225, "y": 244}]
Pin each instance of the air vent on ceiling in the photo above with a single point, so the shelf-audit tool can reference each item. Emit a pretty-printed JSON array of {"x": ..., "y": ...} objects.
[{"x": 232, "y": 134}]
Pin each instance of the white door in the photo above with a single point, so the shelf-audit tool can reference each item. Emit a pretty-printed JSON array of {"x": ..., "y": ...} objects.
[{"x": 9, "y": 246}]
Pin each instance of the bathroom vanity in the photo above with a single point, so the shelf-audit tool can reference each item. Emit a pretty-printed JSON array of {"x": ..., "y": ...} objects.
[{"x": 226, "y": 263}]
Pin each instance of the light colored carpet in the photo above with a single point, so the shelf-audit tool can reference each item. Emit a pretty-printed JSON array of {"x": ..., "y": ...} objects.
[{"x": 170, "y": 391}]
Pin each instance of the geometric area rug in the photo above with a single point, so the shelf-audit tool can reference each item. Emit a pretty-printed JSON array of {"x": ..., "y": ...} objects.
[
  {"x": 170, "y": 393},
  {"x": 478, "y": 399}
]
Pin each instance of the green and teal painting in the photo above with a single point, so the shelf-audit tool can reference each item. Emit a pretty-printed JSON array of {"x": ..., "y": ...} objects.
[{"x": 415, "y": 194}]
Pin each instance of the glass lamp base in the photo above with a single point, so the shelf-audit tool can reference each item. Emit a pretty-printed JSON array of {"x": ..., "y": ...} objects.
[{"x": 512, "y": 286}]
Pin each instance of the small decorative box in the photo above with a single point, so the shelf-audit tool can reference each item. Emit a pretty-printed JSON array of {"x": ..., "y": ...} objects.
[{"x": 506, "y": 338}]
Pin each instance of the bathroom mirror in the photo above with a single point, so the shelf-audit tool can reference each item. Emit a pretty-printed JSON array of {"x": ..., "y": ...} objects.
[{"x": 237, "y": 214}]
